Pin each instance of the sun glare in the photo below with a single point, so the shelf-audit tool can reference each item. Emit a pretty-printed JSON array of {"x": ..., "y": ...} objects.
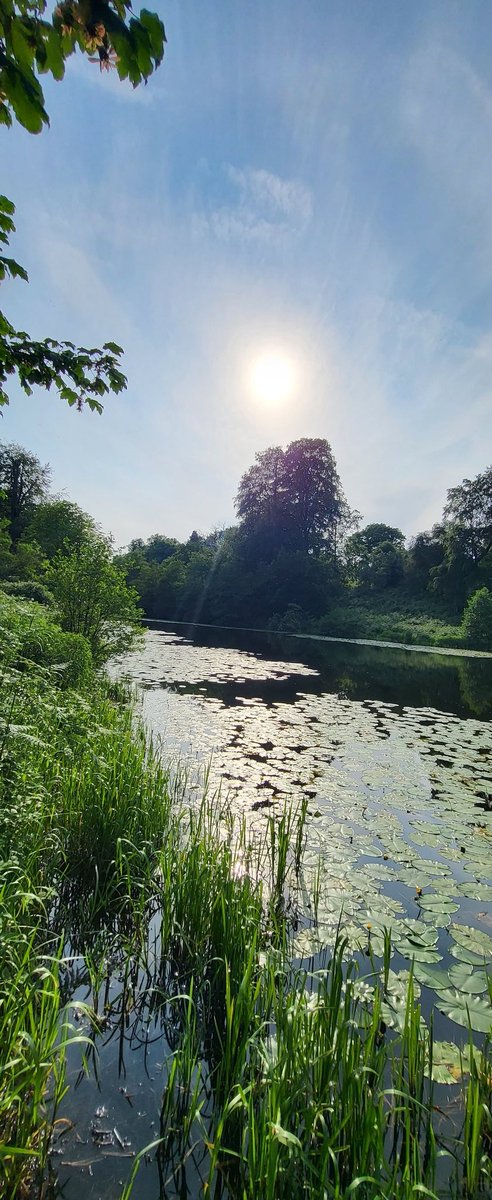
[{"x": 272, "y": 379}]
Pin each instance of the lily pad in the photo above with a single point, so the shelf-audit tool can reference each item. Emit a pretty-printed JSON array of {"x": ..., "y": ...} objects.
[
  {"x": 472, "y": 1012},
  {"x": 449, "y": 1062},
  {"x": 467, "y": 956},
  {"x": 462, "y": 977},
  {"x": 472, "y": 939},
  {"x": 421, "y": 954},
  {"x": 433, "y": 977},
  {"x": 438, "y": 904}
]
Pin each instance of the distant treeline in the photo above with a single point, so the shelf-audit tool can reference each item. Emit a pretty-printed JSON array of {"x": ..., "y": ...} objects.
[{"x": 298, "y": 559}]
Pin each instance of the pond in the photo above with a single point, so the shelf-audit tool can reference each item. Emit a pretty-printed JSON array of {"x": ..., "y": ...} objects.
[
  {"x": 391, "y": 752},
  {"x": 391, "y": 749}
]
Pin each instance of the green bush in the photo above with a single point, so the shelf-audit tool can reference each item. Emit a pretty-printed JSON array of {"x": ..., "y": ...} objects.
[
  {"x": 477, "y": 620},
  {"x": 29, "y": 589},
  {"x": 29, "y": 633}
]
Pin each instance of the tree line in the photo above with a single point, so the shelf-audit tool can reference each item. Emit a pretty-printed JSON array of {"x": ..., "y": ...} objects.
[{"x": 299, "y": 557}]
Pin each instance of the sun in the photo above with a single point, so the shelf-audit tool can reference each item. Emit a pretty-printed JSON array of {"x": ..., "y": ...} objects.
[{"x": 272, "y": 379}]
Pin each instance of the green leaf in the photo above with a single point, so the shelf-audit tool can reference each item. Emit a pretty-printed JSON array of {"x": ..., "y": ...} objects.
[
  {"x": 450, "y": 1062},
  {"x": 466, "y": 980},
  {"x": 54, "y": 54},
  {"x": 284, "y": 1136},
  {"x": 6, "y": 206},
  {"x": 419, "y": 953},
  {"x": 155, "y": 31},
  {"x": 472, "y": 1012},
  {"x": 433, "y": 977},
  {"x": 467, "y": 956},
  {"x": 472, "y": 939},
  {"x": 8, "y": 266},
  {"x": 438, "y": 904}
]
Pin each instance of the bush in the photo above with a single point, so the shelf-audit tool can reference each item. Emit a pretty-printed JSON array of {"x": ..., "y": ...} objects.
[
  {"x": 94, "y": 600},
  {"x": 477, "y": 620},
  {"x": 29, "y": 634},
  {"x": 29, "y": 589}
]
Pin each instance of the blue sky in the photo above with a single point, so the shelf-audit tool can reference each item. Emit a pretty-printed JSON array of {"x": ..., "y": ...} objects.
[{"x": 311, "y": 179}]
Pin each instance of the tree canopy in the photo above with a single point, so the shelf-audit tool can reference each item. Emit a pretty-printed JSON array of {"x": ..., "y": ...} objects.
[
  {"x": 375, "y": 556},
  {"x": 32, "y": 44},
  {"x": 23, "y": 482},
  {"x": 292, "y": 499}
]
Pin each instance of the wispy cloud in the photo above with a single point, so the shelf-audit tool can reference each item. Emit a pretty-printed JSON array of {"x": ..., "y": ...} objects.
[{"x": 265, "y": 208}]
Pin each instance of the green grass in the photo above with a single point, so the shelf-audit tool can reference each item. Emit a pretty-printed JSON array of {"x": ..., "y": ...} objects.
[{"x": 286, "y": 1081}]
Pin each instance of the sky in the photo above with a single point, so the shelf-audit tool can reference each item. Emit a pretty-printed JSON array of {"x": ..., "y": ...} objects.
[{"x": 311, "y": 182}]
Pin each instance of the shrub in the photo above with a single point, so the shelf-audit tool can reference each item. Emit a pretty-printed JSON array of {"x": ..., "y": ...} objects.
[
  {"x": 477, "y": 620},
  {"x": 29, "y": 633},
  {"x": 94, "y": 600},
  {"x": 29, "y": 589}
]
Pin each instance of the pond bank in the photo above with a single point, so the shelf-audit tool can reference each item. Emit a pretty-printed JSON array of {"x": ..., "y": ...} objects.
[{"x": 452, "y": 651}]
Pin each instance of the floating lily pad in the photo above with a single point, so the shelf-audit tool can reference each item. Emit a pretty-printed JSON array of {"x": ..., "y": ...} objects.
[
  {"x": 472, "y": 939},
  {"x": 438, "y": 904},
  {"x": 472, "y": 1012},
  {"x": 466, "y": 980},
  {"x": 421, "y": 954},
  {"x": 449, "y": 1062},
  {"x": 467, "y": 956},
  {"x": 433, "y": 977}
]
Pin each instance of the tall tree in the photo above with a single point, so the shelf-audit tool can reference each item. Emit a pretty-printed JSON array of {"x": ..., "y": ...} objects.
[
  {"x": 292, "y": 499},
  {"x": 23, "y": 482},
  {"x": 470, "y": 506}
]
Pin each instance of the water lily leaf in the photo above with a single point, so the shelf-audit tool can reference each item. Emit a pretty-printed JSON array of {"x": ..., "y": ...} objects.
[
  {"x": 467, "y": 956},
  {"x": 473, "y": 1012},
  {"x": 438, "y": 904},
  {"x": 433, "y": 977},
  {"x": 426, "y": 936},
  {"x": 422, "y": 954},
  {"x": 449, "y": 1062},
  {"x": 472, "y": 939},
  {"x": 466, "y": 980},
  {"x": 476, "y": 891}
]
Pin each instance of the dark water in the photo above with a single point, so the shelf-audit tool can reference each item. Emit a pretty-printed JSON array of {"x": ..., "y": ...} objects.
[{"x": 392, "y": 751}]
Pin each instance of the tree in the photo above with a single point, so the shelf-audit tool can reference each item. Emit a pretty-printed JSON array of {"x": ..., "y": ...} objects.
[
  {"x": 425, "y": 554},
  {"x": 375, "y": 556},
  {"x": 477, "y": 620},
  {"x": 470, "y": 506},
  {"x": 466, "y": 536},
  {"x": 59, "y": 526},
  {"x": 23, "y": 482},
  {"x": 93, "y": 599},
  {"x": 293, "y": 499},
  {"x": 31, "y": 45}
]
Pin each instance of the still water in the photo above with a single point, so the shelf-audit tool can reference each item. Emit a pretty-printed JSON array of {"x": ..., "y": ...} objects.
[{"x": 391, "y": 750}]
